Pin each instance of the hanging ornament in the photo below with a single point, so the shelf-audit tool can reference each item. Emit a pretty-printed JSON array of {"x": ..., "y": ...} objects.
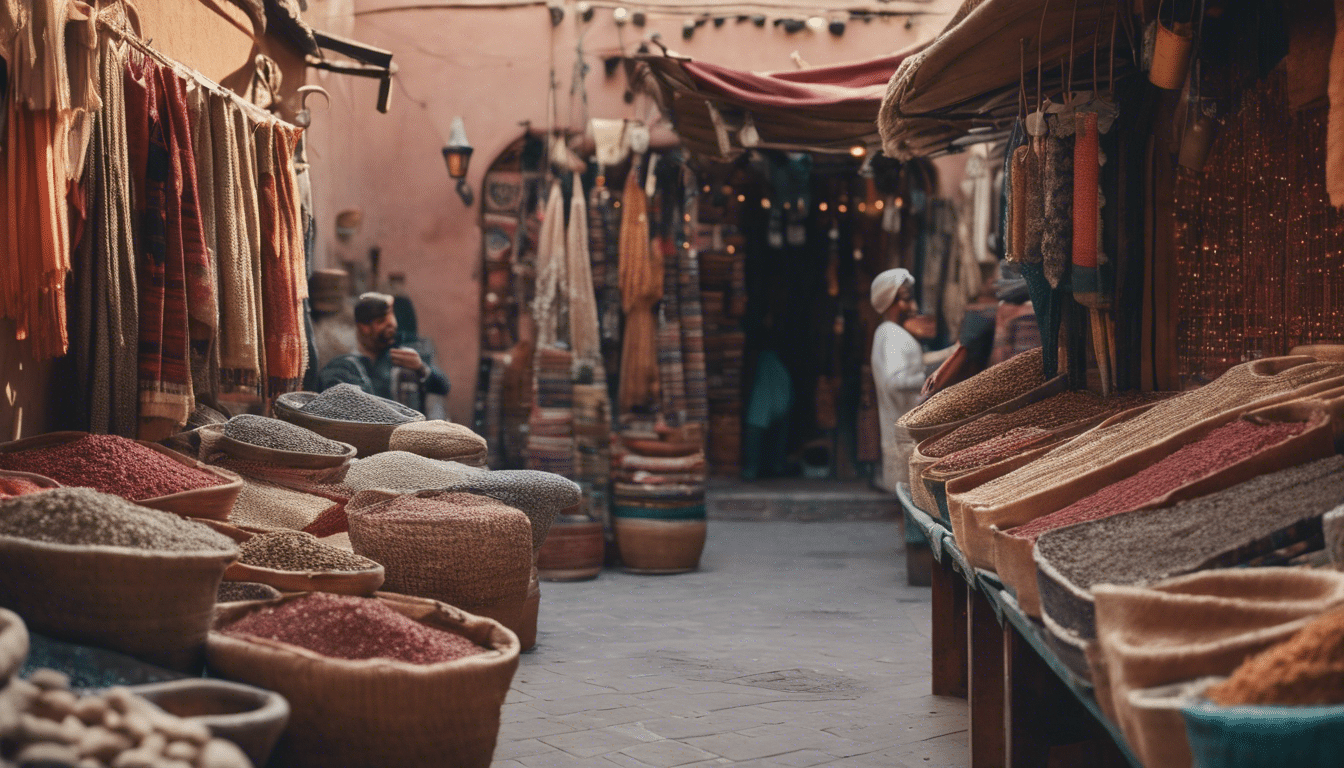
[
  {"x": 793, "y": 25},
  {"x": 557, "y": 12},
  {"x": 585, "y": 10},
  {"x": 719, "y": 20},
  {"x": 816, "y": 24},
  {"x": 620, "y": 16},
  {"x": 638, "y": 18},
  {"x": 748, "y": 136},
  {"x": 758, "y": 20},
  {"x": 687, "y": 30},
  {"x": 837, "y": 28}
]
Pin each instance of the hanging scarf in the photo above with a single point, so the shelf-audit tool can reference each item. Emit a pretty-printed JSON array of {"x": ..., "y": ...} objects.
[
  {"x": 641, "y": 278},
  {"x": 551, "y": 264},
  {"x": 585, "y": 339},
  {"x": 283, "y": 341},
  {"x": 237, "y": 232},
  {"x": 1086, "y": 208}
]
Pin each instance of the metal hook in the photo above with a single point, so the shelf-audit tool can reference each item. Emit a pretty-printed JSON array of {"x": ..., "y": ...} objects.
[{"x": 304, "y": 118}]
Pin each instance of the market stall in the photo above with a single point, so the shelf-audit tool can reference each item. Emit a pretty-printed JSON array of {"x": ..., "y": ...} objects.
[{"x": 1131, "y": 522}]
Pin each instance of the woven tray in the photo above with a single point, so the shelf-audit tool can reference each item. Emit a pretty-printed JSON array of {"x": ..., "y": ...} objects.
[
  {"x": 1013, "y": 555},
  {"x": 364, "y": 582},
  {"x": 367, "y": 438},
  {"x": 213, "y": 503},
  {"x": 296, "y": 459}
]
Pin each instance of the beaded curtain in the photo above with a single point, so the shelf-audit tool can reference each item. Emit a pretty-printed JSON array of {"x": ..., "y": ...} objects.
[{"x": 1259, "y": 250}]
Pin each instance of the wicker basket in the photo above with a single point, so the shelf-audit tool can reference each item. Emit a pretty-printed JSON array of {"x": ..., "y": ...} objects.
[
  {"x": 574, "y": 551},
  {"x": 247, "y": 716},
  {"x": 654, "y": 547},
  {"x": 487, "y": 570},
  {"x": 154, "y": 606},
  {"x": 378, "y": 713},
  {"x": 364, "y": 582},
  {"x": 295, "y": 459},
  {"x": 13, "y": 644},
  {"x": 41, "y": 480},
  {"x": 213, "y": 503},
  {"x": 367, "y": 439}
]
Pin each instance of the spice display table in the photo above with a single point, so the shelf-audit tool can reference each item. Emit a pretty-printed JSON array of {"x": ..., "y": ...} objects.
[{"x": 1026, "y": 708}]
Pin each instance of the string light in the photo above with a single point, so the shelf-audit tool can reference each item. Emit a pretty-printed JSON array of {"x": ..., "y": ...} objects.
[
  {"x": 879, "y": 204},
  {"x": 858, "y": 150},
  {"x": 732, "y": 249},
  {"x": 741, "y": 198},
  {"x": 822, "y": 207},
  {"x": 765, "y": 203},
  {"x": 842, "y": 208}
]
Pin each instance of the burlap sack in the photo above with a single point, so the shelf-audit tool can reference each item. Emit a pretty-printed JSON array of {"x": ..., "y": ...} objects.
[
  {"x": 474, "y": 553},
  {"x": 1195, "y": 626},
  {"x": 378, "y": 713}
]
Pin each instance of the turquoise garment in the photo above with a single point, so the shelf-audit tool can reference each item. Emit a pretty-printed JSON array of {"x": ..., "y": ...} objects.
[
  {"x": 375, "y": 377},
  {"x": 772, "y": 394}
]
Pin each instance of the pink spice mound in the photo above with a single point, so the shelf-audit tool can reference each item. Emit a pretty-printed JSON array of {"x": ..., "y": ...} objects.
[
  {"x": 355, "y": 628},
  {"x": 111, "y": 464},
  {"x": 1219, "y": 449}
]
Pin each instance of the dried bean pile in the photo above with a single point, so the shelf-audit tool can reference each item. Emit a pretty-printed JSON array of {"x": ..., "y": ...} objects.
[
  {"x": 1051, "y": 413},
  {"x": 85, "y": 517},
  {"x": 347, "y": 402},
  {"x": 344, "y": 627},
  {"x": 280, "y": 435},
  {"x": 995, "y": 449},
  {"x": 113, "y": 465},
  {"x": 298, "y": 551},
  {"x": 993, "y": 386},
  {"x": 17, "y": 486},
  {"x": 1239, "y": 387},
  {"x": 1151, "y": 544},
  {"x": 1231, "y": 443},
  {"x": 237, "y": 591},
  {"x": 47, "y": 724},
  {"x": 1306, "y": 669}
]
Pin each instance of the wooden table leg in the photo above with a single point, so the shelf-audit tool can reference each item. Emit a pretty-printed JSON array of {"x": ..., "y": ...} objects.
[
  {"x": 986, "y": 657},
  {"x": 949, "y": 636}
]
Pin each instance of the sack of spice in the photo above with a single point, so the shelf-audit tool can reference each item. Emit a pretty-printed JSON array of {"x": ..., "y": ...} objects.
[
  {"x": 93, "y": 568},
  {"x": 464, "y": 549},
  {"x": 373, "y": 682}
]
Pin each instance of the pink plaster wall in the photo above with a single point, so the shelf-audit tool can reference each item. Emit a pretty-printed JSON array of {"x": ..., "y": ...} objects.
[{"x": 492, "y": 67}]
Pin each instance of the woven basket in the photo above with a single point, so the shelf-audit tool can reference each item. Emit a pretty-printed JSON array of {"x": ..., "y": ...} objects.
[
  {"x": 480, "y": 565},
  {"x": 41, "y": 480},
  {"x": 1013, "y": 554},
  {"x": 574, "y": 551},
  {"x": 154, "y": 606},
  {"x": 247, "y": 716},
  {"x": 652, "y": 546},
  {"x": 367, "y": 438},
  {"x": 296, "y": 459},
  {"x": 213, "y": 503},
  {"x": 364, "y": 582},
  {"x": 378, "y": 713},
  {"x": 13, "y": 645}
]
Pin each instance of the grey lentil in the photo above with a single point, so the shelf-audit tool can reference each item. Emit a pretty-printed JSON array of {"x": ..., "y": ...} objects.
[
  {"x": 279, "y": 435},
  {"x": 85, "y": 517},
  {"x": 299, "y": 551},
  {"x": 348, "y": 402},
  {"x": 1151, "y": 544},
  {"x": 236, "y": 591}
]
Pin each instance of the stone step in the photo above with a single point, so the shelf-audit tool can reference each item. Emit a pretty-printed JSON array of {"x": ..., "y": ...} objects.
[{"x": 799, "y": 501}]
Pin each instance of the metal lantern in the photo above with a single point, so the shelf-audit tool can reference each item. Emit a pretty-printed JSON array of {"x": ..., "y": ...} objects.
[{"x": 457, "y": 155}]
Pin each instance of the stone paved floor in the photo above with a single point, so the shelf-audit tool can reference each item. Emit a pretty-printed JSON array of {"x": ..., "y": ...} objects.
[{"x": 797, "y": 644}]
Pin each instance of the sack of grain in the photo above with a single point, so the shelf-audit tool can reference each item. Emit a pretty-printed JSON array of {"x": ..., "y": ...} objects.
[
  {"x": 93, "y": 568},
  {"x": 380, "y": 711},
  {"x": 439, "y": 439},
  {"x": 466, "y": 550}
]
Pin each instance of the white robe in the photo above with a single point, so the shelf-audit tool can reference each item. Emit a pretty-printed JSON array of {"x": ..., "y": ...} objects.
[{"x": 898, "y": 375}]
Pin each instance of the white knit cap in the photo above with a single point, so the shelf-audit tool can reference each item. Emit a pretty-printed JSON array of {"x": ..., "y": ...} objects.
[{"x": 885, "y": 286}]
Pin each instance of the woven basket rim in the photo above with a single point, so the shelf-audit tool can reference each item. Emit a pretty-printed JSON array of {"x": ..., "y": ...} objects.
[
  {"x": 279, "y": 455},
  {"x": 18, "y": 542},
  {"x": 33, "y": 476},
  {"x": 279, "y": 648},
  {"x": 238, "y": 570}
]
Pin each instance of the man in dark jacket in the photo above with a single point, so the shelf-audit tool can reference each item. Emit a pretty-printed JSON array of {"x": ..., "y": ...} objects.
[{"x": 380, "y": 367}]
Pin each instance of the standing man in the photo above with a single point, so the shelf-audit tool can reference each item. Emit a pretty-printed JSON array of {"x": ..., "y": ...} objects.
[
  {"x": 898, "y": 369},
  {"x": 379, "y": 363}
]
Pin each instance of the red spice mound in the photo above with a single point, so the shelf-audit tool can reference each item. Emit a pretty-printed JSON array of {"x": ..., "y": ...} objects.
[
  {"x": 995, "y": 449},
  {"x": 346, "y": 627},
  {"x": 17, "y": 486},
  {"x": 111, "y": 464},
  {"x": 1305, "y": 669},
  {"x": 1221, "y": 448}
]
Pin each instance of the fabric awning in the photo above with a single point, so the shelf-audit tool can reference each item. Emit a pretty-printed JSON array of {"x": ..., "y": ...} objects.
[
  {"x": 964, "y": 87},
  {"x": 822, "y": 109}
]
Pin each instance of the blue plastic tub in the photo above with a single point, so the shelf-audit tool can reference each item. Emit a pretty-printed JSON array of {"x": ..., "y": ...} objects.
[{"x": 1264, "y": 736}]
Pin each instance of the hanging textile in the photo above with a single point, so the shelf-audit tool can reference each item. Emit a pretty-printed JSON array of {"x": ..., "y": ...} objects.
[
  {"x": 692, "y": 311},
  {"x": 240, "y": 305},
  {"x": 671, "y": 369},
  {"x": 1057, "y": 237},
  {"x": 585, "y": 337},
  {"x": 249, "y": 188},
  {"x": 641, "y": 276},
  {"x": 551, "y": 264},
  {"x": 284, "y": 347}
]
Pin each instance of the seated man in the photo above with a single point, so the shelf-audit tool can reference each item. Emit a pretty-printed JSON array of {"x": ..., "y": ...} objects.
[{"x": 379, "y": 366}]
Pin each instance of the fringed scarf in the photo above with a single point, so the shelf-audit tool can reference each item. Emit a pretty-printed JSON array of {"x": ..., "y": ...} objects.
[
  {"x": 641, "y": 277},
  {"x": 585, "y": 337},
  {"x": 279, "y": 243},
  {"x": 549, "y": 303},
  {"x": 237, "y": 237}
]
